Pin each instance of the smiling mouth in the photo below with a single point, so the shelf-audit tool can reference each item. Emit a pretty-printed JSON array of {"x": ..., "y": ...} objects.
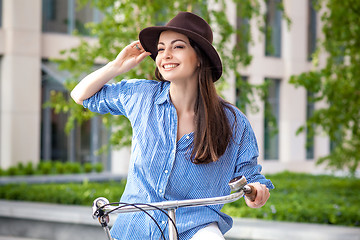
[{"x": 170, "y": 66}]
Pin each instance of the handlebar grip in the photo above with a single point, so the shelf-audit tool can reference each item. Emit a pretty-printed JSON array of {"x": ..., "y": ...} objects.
[{"x": 250, "y": 192}]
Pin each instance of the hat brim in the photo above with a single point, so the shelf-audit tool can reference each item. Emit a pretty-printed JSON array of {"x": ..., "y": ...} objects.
[{"x": 149, "y": 37}]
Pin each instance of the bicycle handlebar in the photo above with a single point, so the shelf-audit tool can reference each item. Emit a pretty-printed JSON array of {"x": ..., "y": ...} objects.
[
  {"x": 102, "y": 207},
  {"x": 168, "y": 204},
  {"x": 237, "y": 184}
]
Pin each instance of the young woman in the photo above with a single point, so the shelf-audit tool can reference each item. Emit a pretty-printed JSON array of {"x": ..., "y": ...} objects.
[{"x": 187, "y": 141}]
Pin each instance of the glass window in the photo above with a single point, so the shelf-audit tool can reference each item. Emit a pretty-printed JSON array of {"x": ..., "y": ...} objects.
[
  {"x": 64, "y": 16},
  {"x": 309, "y": 137},
  {"x": 55, "y": 16},
  {"x": 1, "y": 13},
  {"x": 53, "y": 137},
  {"x": 243, "y": 28},
  {"x": 83, "y": 141},
  {"x": 271, "y": 135},
  {"x": 336, "y": 139},
  {"x": 312, "y": 23},
  {"x": 241, "y": 83},
  {"x": 273, "y": 29}
]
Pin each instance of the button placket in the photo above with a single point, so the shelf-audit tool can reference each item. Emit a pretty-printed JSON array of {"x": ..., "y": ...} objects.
[
  {"x": 172, "y": 130},
  {"x": 164, "y": 175}
]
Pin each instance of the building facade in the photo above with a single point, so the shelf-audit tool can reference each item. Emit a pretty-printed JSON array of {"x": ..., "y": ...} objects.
[{"x": 33, "y": 32}]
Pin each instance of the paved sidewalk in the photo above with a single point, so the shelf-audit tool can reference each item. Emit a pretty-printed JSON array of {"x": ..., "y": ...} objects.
[
  {"x": 272, "y": 230},
  {"x": 244, "y": 229}
]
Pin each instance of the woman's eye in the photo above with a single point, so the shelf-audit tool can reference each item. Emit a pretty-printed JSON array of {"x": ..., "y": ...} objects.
[
  {"x": 160, "y": 49},
  {"x": 179, "y": 46}
]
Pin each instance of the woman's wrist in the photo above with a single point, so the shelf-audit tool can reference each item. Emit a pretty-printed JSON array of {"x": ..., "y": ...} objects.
[{"x": 113, "y": 69}]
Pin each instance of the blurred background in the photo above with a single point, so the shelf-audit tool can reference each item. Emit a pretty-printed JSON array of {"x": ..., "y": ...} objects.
[
  {"x": 34, "y": 32},
  {"x": 291, "y": 66}
]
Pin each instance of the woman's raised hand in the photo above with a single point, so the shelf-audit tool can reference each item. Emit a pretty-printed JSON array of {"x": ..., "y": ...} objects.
[{"x": 129, "y": 57}]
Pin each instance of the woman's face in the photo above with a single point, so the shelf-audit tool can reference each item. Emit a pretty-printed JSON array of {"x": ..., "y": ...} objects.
[{"x": 176, "y": 59}]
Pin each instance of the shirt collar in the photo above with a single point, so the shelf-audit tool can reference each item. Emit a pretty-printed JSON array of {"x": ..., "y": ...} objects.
[{"x": 163, "y": 94}]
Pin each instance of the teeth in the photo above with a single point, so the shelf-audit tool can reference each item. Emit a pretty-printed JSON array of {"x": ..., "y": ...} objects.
[{"x": 168, "y": 66}]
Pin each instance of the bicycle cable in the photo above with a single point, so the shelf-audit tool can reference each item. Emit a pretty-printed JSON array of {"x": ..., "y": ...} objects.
[
  {"x": 136, "y": 205},
  {"x": 145, "y": 204}
]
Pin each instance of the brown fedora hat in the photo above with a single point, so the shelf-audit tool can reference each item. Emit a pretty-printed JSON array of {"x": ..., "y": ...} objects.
[{"x": 191, "y": 25}]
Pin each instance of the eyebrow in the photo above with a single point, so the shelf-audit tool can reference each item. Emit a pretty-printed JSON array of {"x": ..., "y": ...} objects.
[{"x": 174, "y": 41}]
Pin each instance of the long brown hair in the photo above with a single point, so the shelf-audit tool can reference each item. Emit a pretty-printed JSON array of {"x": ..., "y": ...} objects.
[{"x": 212, "y": 128}]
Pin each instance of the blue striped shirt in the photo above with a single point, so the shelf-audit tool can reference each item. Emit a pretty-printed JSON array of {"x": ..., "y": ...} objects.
[{"x": 160, "y": 168}]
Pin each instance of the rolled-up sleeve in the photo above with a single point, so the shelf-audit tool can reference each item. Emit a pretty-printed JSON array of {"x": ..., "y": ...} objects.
[
  {"x": 111, "y": 98},
  {"x": 248, "y": 152}
]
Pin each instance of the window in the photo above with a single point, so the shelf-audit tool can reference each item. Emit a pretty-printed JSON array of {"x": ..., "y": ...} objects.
[
  {"x": 1, "y": 13},
  {"x": 53, "y": 137},
  {"x": 241, "y": 85},
  {"x": 312, "y": 24},
  {"x": 243, "y": 29},
  {"x": 271, "y": 135},
  {"x": 309, "y": 136},
  {"x": 83, "y": 141},
  {"x": 63, "y": 16},
  {"x": 336, "y": 139},
  {"x": 273, "y": 29}
]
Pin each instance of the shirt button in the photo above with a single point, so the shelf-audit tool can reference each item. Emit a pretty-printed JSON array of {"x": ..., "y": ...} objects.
[
  {"x": 163, "y": 222},
  {"x": 166, "y": 171},
  {"x": 187, "y": 137},
  {"x": 160, "y": 191}
]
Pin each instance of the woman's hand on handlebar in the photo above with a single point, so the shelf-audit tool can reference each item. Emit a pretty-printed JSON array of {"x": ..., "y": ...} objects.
[{"x": 262, "y": 196}]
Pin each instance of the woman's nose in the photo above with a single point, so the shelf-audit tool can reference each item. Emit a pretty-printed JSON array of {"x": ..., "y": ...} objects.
[{"x": 167, "y": 54}]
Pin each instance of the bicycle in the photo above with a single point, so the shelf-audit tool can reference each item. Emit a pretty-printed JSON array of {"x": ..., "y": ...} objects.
[{"x": 102, "y": 207}]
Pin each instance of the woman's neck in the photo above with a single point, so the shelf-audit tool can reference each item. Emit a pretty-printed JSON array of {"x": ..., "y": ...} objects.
[{"x": 183, "y": 96}]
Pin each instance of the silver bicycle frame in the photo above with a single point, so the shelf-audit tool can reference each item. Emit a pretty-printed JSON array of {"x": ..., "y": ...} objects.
[{"x": 101, "y": 209}]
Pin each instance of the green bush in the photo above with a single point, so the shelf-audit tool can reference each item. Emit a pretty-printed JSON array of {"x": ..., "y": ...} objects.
[
  {"x": 70, "y": 193},
  {"x": 59, "y": 167},
  {"x": 72, "y": 167},
  {"x": 51, "y": 167},
  {"x": 88, "y": 167},
  {"x": 45, "y": 167},
  {"x": 20, "y": 167},
  {"x": 98, "y": 167},
  {"x": 12, "y": 171},
  {"x": 29, "y": 169}
]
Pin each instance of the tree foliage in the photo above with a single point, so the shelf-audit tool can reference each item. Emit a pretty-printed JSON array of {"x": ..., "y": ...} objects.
[
  {"x": 120, "y": 26},
  {"x": 338, "y": 83}
]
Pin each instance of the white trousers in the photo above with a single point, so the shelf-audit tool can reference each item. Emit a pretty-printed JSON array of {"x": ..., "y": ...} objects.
[{"x": 211, "y": 231}]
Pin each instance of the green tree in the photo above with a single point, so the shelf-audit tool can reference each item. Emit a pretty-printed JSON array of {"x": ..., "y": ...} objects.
[
  {"x": 337, "y": 83},
  {"x": 120, "y": 26}
]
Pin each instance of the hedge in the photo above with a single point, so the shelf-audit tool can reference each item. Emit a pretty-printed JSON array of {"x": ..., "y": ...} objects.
[{"x": 51, "y": 167}]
